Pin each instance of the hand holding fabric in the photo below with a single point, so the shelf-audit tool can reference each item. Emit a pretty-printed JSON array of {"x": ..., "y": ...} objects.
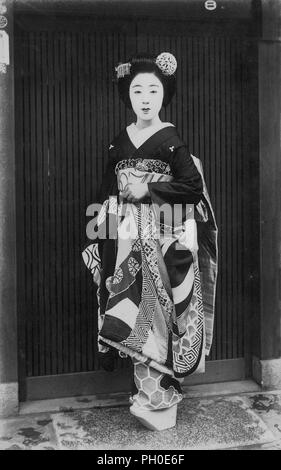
[{"x": 135, "y": 192}]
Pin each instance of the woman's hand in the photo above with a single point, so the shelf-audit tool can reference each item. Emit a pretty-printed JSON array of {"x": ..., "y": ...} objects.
[{"x": 135, "y": 192}]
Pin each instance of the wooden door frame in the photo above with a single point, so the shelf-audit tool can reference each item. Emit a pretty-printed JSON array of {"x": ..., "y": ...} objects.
[
  {"x": 186, "y": 9},
  {"x": 97, "y": 382},
  {"x": 8, "y": 257}
]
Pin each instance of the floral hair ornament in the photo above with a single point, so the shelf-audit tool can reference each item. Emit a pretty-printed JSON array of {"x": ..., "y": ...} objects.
[
  {"x": 123, "y": 69},
  {"x": 167, "y": 63}
]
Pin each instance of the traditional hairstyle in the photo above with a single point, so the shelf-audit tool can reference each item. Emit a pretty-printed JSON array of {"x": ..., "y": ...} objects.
[{"x": 163, "y": 66}]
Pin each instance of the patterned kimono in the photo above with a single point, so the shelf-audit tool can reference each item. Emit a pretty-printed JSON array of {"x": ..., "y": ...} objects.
[{"x": 156, "y": 274}]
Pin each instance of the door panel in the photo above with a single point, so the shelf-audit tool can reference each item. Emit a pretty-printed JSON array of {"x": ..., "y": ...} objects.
[{"x": 68, "y": 110}]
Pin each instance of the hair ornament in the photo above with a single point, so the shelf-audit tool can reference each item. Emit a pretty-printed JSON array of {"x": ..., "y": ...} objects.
[
  {"x": 167, "y": 63},
  {"x": 123, "y": 69}
]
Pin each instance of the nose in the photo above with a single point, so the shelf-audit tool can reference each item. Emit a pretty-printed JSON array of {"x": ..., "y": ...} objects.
[{"x": 145, "y": 98}]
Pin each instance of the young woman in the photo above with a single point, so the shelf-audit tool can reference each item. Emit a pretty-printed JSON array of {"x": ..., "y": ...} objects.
[{"x": 147, "y": 272}]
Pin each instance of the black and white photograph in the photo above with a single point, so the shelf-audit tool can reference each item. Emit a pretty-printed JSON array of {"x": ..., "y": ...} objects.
[{"x": 140, "y": 227}]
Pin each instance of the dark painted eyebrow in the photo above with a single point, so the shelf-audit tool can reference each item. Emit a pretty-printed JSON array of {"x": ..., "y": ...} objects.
[{"x": 153, "y": 84}]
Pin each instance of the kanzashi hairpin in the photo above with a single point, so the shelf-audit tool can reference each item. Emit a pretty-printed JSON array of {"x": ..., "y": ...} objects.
[
  {"x": 123, "y": 69},
  {"x": 167, "y": 63}
]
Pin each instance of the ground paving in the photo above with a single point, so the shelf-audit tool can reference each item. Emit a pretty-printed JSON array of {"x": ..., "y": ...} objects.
[{"x": 250, "y": 421}]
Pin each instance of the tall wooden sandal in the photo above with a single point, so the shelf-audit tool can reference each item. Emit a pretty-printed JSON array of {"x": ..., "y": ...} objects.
[{"x": 156, "y": 420}]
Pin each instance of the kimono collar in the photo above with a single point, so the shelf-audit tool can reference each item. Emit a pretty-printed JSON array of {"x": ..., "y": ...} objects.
[{"x": 138, "y": 137}]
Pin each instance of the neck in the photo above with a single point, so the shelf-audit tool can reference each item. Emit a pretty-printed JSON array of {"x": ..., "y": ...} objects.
[{"x": 143, "y": 124}]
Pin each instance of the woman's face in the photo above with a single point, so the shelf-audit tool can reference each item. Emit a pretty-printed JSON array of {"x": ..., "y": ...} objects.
[{"x": 146, "y": 95}]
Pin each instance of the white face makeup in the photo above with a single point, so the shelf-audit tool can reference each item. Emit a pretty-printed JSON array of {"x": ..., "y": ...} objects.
[{"x": 146, "y": 95}]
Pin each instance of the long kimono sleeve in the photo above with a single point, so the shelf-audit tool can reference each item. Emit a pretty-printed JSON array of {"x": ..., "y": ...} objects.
[
  {"x": 107, "y": 189},
  {"x": 93, "y": 248},
  {"x": 108, "y": 186},
  {"x": 187, "y": 185}
]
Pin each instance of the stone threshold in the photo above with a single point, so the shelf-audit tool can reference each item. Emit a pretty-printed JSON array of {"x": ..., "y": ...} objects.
[{"x": 57, "y": 405}]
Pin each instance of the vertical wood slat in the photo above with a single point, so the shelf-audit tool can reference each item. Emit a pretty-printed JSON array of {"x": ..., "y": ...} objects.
[
  {"x": 60, "y": 172},
  {"x": 33, "y": 207},
  {"x": 245, "y": 304},
  {"x": 40, "y": 197},
  {"x": 217, "y": 165},
  {"x": 55, "y": 193},
  {"x": 87, "y": 326},
  {"x": 232, "y": 341},
  {"x": 230, "y": 183},
  {"x": 21, "y": 224},
  {"x": 73, "y": 193},
  {"x": 66, "y": 178},
  {"x": 52, "y": 183},
  {"x": 70, "y": 113},
  {"x": 211, "y": 151},
  {"x": 25, "y": 195},
  {"x": 45, "y": 201},
  {"x": 82, "y": 185}
]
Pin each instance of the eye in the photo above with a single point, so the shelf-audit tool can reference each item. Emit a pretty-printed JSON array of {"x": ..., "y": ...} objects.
[
  {"x": 137, "y": 92},
  {"x": 153, "y": 91}
]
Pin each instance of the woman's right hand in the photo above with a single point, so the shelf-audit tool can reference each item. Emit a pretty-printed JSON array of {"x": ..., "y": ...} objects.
[{"x": 134, "y": 192}]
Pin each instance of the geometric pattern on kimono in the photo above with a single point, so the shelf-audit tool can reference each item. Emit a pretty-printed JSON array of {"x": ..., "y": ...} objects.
[{"x": 207, "y": 256}]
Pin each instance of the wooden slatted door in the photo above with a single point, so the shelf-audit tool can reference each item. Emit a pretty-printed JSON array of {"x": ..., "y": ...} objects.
[{"x": 68, "y": 110}]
